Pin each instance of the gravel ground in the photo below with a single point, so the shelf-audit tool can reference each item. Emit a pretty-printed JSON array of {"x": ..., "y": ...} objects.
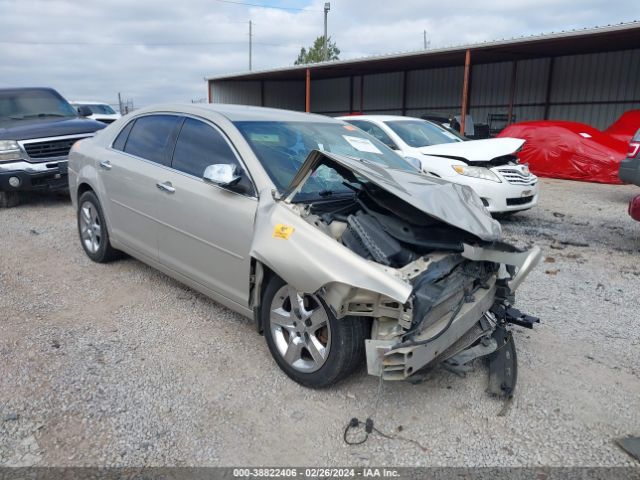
[{"x": 119, "y": 365}]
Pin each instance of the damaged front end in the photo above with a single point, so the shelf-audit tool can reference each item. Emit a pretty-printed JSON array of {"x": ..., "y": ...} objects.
[{"x": 421, "y": 257}]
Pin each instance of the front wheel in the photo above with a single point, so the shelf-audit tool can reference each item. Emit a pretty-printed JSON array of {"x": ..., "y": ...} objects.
[{"x": 306, "y": 340}]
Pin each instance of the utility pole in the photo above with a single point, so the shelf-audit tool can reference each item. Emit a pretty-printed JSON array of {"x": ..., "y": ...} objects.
[
  {"x": 250, "y": 43},
  {"x": 120, "y": 104},
  {"x": 325, "y": 53},
  {"x": 426, "y": 43}
]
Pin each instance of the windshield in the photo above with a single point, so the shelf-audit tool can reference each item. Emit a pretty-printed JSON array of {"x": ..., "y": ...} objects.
[
  {"x": 282, "y": 147},
  {"x": 99, "y": 108},
  {"x": 28, "y": 104},
  {"x": 420, "y": 133}
]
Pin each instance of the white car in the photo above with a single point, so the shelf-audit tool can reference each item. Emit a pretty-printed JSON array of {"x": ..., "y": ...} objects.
[
  {"x": 488, "y": 166},
  {"x": 100, "y": 111}
]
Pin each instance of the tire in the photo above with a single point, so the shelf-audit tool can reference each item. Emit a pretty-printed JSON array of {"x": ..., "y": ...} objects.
[
  {"x": 92, "y": 229},
  {"x": 338, "y": 345},
  {"x": 9, "y": 199}
]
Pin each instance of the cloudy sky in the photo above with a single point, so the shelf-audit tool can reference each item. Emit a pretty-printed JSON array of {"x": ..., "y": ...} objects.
[{"x": 161, "y": 50}]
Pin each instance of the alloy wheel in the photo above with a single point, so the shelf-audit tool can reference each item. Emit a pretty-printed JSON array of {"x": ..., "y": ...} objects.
[
  {"x": 90, "y": 228},
  {"x": 300, "y": 329}
]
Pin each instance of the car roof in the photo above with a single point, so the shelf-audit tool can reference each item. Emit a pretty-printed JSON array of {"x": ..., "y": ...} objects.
[
  {"x": 87, "y": 102},
  {"x": 236, "y": 113},
  {"x": 380, "y": 118},
  {"x": 27, "y": 89}
]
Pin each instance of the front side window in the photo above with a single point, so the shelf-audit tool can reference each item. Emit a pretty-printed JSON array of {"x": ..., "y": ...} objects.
[
  {"x": 420, "y": 133},
  {"x": 152, "y": 137},
  {"x": 374, "y": 131},
  {"x": 199, "y": 146},
  {"x": 282, "y": 148}
]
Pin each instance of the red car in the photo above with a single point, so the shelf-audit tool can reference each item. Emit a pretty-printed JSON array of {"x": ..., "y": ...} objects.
[{"x": 575, "y": 151}]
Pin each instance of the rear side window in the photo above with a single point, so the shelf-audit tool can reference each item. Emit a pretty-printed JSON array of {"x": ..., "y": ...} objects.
[
  {"x": 152, "y": 138},
  {"x": 121, "y": 139},
  {"x": 198, "y": 146}
]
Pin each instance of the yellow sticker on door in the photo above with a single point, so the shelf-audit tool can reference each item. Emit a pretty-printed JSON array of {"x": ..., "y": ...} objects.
[{"x": 283, "y": 231}]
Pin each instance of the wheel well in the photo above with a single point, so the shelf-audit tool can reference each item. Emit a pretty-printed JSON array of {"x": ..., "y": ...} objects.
[
  {"x": 261, "y": 275},
  {"x": 84, "y": 187}
]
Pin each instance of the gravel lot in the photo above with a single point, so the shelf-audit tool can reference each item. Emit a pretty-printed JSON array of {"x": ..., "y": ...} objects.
[{"x": 120, "y": 365}]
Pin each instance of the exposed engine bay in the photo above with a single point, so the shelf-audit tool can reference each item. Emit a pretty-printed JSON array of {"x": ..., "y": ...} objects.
[{"x": 447, "y": 292}]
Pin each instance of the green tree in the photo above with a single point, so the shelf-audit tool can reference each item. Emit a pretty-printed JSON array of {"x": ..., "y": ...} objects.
[{"x": 314, "y": 54}]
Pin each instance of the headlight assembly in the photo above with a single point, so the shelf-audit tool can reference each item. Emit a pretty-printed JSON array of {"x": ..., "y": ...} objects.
[
  {"x": 477, "y": 172},
  {"x": 9, "y": 150}
]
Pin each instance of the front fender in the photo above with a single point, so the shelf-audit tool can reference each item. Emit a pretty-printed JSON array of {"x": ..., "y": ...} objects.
[{"x": 307, "y": 258}]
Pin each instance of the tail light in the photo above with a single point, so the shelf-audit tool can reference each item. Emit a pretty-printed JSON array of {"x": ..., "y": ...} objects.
[{"x": 634, "y": 148}]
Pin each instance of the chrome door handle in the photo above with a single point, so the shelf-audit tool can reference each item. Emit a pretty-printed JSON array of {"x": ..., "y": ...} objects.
[
  {"x": 106, "y": 164},
  {"x": 166, "y": 186}
]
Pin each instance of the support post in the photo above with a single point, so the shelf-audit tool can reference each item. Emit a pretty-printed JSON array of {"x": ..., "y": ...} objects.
[
  {"x": 512, "y": 92},
  {"x": 547, "y": 100},
  {"x": 361, "y": 94},
  {"x": 351, "y": 95},
  {"x": 307, "y": 100},
  {"x": 404, "y": 93},
  {"x": 209, "y": 87},
  {"x": 250, "y": 42},
  {"x": 465, "y": 90},
  {"x": 262, "y": 93}
]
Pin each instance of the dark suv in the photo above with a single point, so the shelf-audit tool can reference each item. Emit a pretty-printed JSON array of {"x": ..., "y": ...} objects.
[{"x": 37, "y": 129}]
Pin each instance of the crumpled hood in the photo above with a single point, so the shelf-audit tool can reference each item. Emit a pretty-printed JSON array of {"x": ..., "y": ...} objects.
[
  {"x": 475, "y": 150},
  {"x": 453, "y": 204}
]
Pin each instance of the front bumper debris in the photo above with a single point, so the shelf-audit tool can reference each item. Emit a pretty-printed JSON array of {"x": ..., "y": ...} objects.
[
  {"x": 400, "y": 363},
  {"x": 477, "y": 327}
]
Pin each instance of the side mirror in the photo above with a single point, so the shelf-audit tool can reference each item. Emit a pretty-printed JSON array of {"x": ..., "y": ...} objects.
[
  {"x": 84, "y": 111},
  {"x": 222, "y": 174}
]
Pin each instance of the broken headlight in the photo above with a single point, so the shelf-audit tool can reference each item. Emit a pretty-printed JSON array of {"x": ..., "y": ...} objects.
[{"x": 477, "y": 172}]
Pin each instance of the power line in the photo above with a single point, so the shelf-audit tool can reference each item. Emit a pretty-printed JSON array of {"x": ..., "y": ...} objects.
[
  {"x": 267, "y": 6},
  {"x": 134, "y": 44}
]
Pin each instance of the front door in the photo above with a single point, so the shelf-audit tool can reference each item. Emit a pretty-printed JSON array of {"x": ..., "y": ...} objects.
[{"x": 205, "y": 230}]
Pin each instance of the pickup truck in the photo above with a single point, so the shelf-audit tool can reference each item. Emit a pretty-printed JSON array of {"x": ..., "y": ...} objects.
[{"x": 37, "y": 129}]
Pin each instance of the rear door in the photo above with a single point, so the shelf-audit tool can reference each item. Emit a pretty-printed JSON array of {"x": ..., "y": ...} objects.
[
  {"x": 130, "y": 172},
  {"x": 205, "y": 230}
]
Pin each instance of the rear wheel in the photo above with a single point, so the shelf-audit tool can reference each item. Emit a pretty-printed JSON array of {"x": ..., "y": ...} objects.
[
  {"x": 306, "y": 340},
  {"x": 92, "y": 228},
  {"x": 9, "y": 199}
]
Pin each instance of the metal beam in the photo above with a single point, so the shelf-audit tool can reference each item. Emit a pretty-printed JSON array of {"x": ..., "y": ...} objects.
[
  {"x": 307, "y": 100},
  {"x": 465, "y": 90},
  {"x": 351, "y": 94},
  {"x": 404, "y": 92},
  {"x": 547, "y": 100},
  {"x": 512, "y": 92},
  {"x": 361, "y": 93}
]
